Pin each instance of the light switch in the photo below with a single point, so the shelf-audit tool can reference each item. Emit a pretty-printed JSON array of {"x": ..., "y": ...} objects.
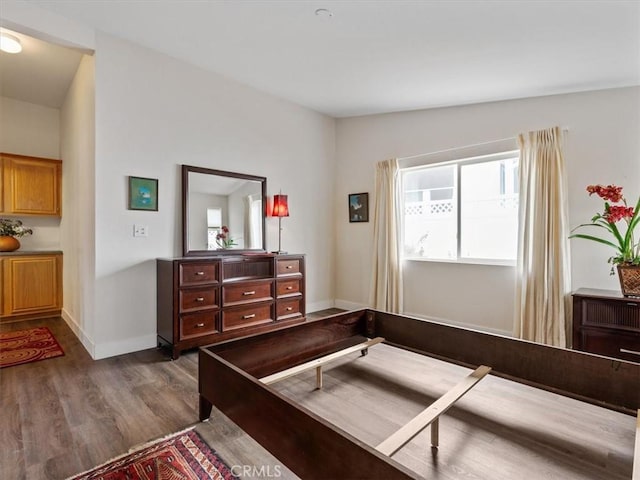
[{"x": 140, "y": 231}]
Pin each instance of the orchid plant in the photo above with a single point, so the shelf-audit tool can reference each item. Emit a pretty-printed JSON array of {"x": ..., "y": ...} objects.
[
  {"x": 223, "y": 238},
  {"x": 627, "y": 249}
]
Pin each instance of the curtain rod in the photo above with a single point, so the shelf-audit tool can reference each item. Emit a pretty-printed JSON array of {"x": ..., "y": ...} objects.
[{"x": 564, "y": 130}]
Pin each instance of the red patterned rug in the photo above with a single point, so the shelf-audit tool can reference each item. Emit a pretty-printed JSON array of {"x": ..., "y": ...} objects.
[
  {"x": 181, "y": 456},
  {"x": 25, "y": 346}
]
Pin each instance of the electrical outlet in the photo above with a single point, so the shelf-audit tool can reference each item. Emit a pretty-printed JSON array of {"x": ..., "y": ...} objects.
[{"x": 140, "y": 231}]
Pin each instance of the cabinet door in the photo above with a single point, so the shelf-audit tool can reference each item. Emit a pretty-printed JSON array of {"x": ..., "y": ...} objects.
[
  {"x": 31, "y": 284},
  {"x": 31, "y": 186}
]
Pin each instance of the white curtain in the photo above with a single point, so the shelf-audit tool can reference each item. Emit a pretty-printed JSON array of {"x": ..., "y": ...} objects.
[
  {"x": 386, "y": 284},
  {"x": 253, "y": 221},
  {"x": 543, "y": 282}
]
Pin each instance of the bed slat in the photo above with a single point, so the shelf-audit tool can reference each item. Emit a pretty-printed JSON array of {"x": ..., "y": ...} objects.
[
  {"x": 430, "y": 414},
  {"x": 318, "y": 362}
]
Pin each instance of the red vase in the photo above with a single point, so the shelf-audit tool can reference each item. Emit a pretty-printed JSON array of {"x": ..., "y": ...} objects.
[{"x": 8, "y": 243}]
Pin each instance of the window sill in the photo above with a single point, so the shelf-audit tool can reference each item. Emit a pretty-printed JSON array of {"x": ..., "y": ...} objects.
[{"x": 465, "y": 261}]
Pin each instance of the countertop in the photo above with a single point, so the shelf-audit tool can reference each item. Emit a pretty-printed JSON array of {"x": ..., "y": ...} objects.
[{"x": 18, "y": 253}]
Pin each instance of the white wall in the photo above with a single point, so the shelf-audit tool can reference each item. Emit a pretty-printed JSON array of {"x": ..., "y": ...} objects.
[
  {"x": 29, "y": 129},
  {"x": 77, "y": 136},
  {"x": 602, "y": 146},
  {"x": 154, "y": 113},
  {"x": 34, "y": 130}
]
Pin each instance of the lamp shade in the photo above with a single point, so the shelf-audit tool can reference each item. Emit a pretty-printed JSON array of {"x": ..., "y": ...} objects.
[{"x": 280, "y": 206}]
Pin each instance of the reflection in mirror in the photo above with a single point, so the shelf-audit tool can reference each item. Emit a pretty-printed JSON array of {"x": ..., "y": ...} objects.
[{"x": 223, "y": 211}]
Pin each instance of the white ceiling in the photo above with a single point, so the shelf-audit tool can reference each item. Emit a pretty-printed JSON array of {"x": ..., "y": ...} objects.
[
  {"x": 40, "y": 74},
  {"x": 382, "y": 56}
]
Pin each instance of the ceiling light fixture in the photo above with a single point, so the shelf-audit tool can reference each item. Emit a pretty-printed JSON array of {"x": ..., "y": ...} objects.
[
  {"x": 9, "y": 43},
  {"x": 323, "y": 12}
]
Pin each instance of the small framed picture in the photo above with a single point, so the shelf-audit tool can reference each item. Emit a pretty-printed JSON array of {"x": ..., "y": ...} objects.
[
  {"x": 358, "y": 207},
  {"x": 143, "y": 193}
]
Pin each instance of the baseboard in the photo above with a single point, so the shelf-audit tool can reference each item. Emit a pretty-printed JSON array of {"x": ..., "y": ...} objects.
[
  {"x": 79, "y": 332},
  {"x": 317, "y": 306},
  {"x": 470, "y": 326},
  {"x": 346, "y": 305}
]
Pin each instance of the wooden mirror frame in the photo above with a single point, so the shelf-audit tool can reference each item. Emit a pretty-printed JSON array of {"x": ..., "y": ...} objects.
[{"x": 186, "y": 169}]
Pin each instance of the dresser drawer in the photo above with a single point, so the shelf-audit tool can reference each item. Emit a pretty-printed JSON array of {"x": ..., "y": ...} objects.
[
  {"x": 247, "y": 292},
  {"x": 288, "y": 308},
  {"x": 288, "y": 267},
  {"x": 198, "y": 273},
  {"x": 619, "y": 315},
  {"x": 611, "y": 344},
  {"x": 192, "y": 299},
  {"x": 288, "y": 287},
  {"x": 197, "y": 324},
  {"x": 246, "y": 316}
]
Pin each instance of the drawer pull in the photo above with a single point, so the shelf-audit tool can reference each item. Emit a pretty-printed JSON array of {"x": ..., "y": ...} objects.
[
  {"x": 289, "y": 309},
  {"x": 252, "y": 292},
  {"x": 289, "y": 287},
  {"x": 200, "y": 273},
  {"x": 632, "y": 352},
  {"x": 199, "y": 325},
  {"x": 289, "y": 267},
  {"x": 631, "y": 304},
  {"x": 246, "y": 317},
  {"x": 199, "y": 299}
]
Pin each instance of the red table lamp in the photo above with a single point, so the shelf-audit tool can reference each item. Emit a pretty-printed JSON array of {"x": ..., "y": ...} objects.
[{"x": 280, "y": 209}]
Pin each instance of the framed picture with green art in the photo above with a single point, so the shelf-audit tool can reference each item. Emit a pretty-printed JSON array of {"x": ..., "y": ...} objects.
[{"x": 143, "y": 193}]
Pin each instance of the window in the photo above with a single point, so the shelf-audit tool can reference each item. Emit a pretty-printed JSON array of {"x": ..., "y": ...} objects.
[
  {"x": 465, "y": 210},
  {"x": 214, "y": 225}
]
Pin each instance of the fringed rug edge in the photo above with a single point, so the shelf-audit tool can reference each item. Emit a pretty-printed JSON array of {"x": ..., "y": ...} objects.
[{"x": 133, "y": 450}]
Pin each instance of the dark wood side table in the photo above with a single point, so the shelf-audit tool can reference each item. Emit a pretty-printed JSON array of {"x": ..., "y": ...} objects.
[{"x": 607, "y": 323}]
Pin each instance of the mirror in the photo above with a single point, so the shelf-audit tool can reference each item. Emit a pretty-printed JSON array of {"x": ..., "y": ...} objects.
[{"x": 213, "y": 199}]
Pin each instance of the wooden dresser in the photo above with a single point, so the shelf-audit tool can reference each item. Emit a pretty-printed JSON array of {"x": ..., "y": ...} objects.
[
  {"x": 205, "y": 300},
  {"x": 607, "y": 323}
]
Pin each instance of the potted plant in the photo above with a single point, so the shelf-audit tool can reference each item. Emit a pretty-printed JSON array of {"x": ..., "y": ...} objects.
[
  {"x": 620, "y": 221},
  {"x": 9, "y": 230}
]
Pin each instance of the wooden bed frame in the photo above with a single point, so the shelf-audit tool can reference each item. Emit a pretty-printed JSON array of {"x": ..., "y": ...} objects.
[{"x": 235, "y": 375}]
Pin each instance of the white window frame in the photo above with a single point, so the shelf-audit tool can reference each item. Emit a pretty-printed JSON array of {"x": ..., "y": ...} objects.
[{"x": 505, "y": 155}]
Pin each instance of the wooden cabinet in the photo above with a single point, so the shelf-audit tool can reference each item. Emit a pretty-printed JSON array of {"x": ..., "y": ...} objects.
[
  {"x": 208, "y": 300},
  {"x": 30, "y": 185},
  {"x": 31, "y": 286},
  {"x": 607, "y": 323}
]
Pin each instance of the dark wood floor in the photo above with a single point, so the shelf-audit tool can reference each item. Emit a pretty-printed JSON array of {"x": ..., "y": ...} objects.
[{"x": 65, "y": 415}]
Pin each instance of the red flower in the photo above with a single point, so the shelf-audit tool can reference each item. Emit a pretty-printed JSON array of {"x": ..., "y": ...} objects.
[
  {"x": 616, "y": 213},
  {"x": 225, "y": 229},
  {"x": 627, "y": 249},
  {"x": 612, "y": 193}
]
